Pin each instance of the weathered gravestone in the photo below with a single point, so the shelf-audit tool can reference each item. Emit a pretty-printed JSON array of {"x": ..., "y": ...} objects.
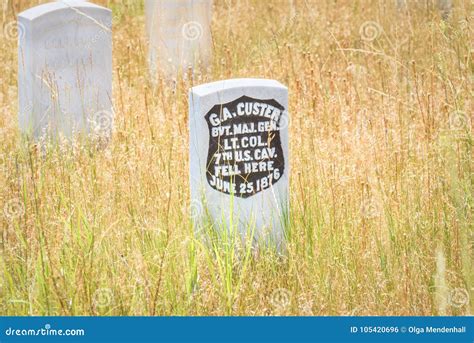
[
  {"x": 65, "y": 70},
  {"x": 444, "y": 6},
  {"x": 179, "y": 34},
  {"x": 239, "y": 163}
]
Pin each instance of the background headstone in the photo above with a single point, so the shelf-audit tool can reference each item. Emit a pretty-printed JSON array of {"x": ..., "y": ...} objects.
[
  {"x": 239, "y": 162},
  {"x": 179, "y": 34},
  {"x": 65, "y": 70},
  {"x": 444, "y": 6}
]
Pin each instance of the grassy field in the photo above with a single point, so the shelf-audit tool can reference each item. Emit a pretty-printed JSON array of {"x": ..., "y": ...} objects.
[{"x": 382, "y": 207}]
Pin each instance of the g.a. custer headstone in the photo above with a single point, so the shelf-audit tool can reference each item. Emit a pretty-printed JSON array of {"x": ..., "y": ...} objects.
[
  {"x": 65, "y": 70},
  {"x": 179, "y": 34},
  {"x": 239, "y": 162}
]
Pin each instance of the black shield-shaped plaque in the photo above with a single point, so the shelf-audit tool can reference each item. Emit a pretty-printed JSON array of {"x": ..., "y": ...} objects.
[{"x": 245, "y": 154}]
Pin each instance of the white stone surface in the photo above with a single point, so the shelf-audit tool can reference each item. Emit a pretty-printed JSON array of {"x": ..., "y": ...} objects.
[
  {"x": 444, "y": 6},
  {"x": 179, "y": 34},
  {"x": 65, "y": 70},
  {"x": 215, "y": 127}
]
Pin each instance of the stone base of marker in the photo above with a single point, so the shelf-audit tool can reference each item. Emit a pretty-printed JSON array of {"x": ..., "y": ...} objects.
[
  {"x": 239, "y": 157},
  {"x": 65, "y": 71}
]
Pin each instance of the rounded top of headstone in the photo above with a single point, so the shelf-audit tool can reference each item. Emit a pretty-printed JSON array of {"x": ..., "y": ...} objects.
[
  {"x": 222, "y": 85},
  {"x": 38, "y": 11}
]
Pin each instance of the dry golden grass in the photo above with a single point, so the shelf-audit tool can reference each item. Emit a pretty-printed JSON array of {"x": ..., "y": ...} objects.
[{"x": 381, "y": 185}]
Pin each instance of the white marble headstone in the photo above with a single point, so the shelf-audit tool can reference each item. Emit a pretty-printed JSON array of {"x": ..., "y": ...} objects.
[
  {"x": 239, "y": 162},
  {"x": 65, "y": 70},
  {"x": 444, "y": 6},
  {"x": 179, "y": 34}
]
